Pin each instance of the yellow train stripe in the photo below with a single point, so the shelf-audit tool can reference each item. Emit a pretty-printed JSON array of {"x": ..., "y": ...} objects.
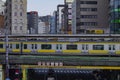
[
  {"x": 26, "y": 50},
  {"x": 16, "y": 50},
  {"x": 46, "y": 51},
  {"x": 71, "y": 51},
  {"x": 98, "y": 52},
  {"x": 2, "y": 50}
]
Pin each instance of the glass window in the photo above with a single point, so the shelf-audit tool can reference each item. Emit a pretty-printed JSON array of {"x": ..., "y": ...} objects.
[
  {"x": 10, "y": 46},
  {"x": 1, "y": 45},
  {"x": 109, "y": 47},
  {"x": 98, "y": 47},
  {"x": 32, "y": 46},
  {"x": 46, "y": 46},
  {"x": 57, "y": 46},
  {"x": 113, "y": 47},
  {"x": 83, "y": 47},
  {"x": 71, "y": 47},
  {"x": 25, "y": 46},
  {"x": 17, "y": 46},
  {"x": 35, "y": 46}
]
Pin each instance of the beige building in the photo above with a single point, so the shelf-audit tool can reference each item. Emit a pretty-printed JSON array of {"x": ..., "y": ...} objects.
[
  {"x": 90, "y": 16},
  {"x": 16, "y": 16}
]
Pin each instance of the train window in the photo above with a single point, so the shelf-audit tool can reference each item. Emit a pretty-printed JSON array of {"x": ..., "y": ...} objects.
[
  {"x": 71, "y": 47},
  {"x": 46, "y": 46},
  {"x": 83, "y": 46},
  {"x": 113, "y": 47},
  {"x": 32, "y": 46},
  {"x": 86, "y": 47},
  {"x": 1, "y": 45},
  {"x": 17, "y": 46},
  {"x": 35, "y": 46},
  {"x": 60, "y": 46},
  {"x": 25, "y": 46},
  {"x": 98, "y": 47},
  {"x": 109, "y": 47},
  {"x": 10, "y": 46},
  {"x": 57, "y": 46}
]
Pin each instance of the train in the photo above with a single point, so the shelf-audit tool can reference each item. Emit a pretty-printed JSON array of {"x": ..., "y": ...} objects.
[{"x": 62, "y": 47}]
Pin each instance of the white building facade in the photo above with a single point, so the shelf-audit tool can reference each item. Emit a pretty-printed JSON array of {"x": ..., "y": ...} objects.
[
  {"x": 2, "y": 7},
  {"x": 16, "y": 16}
]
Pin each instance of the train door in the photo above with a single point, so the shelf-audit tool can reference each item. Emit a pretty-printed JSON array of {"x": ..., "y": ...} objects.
[
  {"x": 84, "y": 48},
  {"x": 10, "y": 47},
  {"x": 33, "y": 47},
  {"x": 58, "y": 47},
  {"x": 111, "y": 49}
]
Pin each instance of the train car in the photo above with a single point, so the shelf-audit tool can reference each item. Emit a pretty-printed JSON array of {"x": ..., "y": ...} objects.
[{"x": 84, "y": 47}]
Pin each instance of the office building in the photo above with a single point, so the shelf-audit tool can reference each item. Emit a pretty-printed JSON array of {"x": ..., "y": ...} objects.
[
  {"x": 32, "y": 18},
  {"x": 68, "y": 16},
  {"x": 53, "y": 23},
  {"x": 115, "y": 16},
  {"x": 16, "y": 16},
  {"x": 89, "y": 17}
]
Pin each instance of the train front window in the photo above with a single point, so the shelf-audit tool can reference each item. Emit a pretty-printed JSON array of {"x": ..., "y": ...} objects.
[
  {"x": 46, "y": 46},
  {"x": 71, "y": 47},
  {"x": 98, "y": 47},
  {"x": 1, "y": 45},
  {"x": 17, "y": 46}
]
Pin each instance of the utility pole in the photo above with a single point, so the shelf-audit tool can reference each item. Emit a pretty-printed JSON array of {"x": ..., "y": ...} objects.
[{"x": 7, "y": 55}]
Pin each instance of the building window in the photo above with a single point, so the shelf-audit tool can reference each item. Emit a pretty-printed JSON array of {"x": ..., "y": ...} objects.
[
  {"x": 15, "y": 14},
  {"x": 20, "y": 13},
  {"x": 16, "y": 7},
  {"x": 88, "y": 2},
  {"x": 15, "y": 28},
  {"x": 20, "y": 27},
  {"x": 88, "y": 9}
]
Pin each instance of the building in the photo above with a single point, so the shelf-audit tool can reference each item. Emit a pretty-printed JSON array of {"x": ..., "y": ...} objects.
[
  {"x": 16, "y": 16},
  {"x": 1, "y": 24},
  {"x": 115, "y": 16},
  {"x": 2, "y": 7},
  {"x": 68, "y": 16},
  {"x": 60, "y": 19},
  {"x": 53, "y": 23},
  {"x": 46, "y": 19},
  {"x": 32, "y": 18},
  {"x": 90, "y": 17},
  {"x": 41, "y": 27}
]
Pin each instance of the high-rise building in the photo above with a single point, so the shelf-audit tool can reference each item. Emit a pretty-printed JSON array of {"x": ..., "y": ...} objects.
[
  {"x": 90, "y": 16},
  {"x": 41, "y": 27},
  {"x": 60, "y": 17},
  {"x": 16, "y": 16},
  {"x": 115, "y": 16},
  {"x": 46, "y": 19},
  {"x": 53, "y": 23},
  {"x": 68, "y": 16},
  {"x": 32, "y": 18}
]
